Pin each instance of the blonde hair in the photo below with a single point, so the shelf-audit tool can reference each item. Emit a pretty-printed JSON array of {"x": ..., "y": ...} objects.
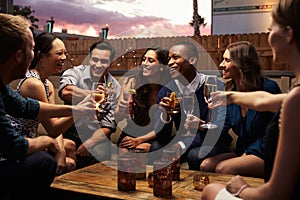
[{"x": 13, "y": 35}]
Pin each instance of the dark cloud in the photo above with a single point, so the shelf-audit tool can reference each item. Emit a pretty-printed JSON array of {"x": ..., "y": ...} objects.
[{"x": 89, "y": 13}]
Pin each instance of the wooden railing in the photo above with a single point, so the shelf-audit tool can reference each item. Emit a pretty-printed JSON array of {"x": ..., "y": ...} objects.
[{"x": 211, "y": 48}]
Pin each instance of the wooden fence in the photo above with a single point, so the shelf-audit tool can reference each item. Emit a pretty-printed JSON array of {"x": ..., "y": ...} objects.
[{"x": 211, "y": 48}]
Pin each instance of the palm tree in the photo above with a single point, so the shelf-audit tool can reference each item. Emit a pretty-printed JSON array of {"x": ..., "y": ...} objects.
[
  {"x": 27, "y": 12},
  {"x": 197, "y": 20}
]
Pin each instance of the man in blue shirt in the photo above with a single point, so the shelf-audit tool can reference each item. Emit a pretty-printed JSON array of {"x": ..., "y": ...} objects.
[{"x": 27, "y": 166}]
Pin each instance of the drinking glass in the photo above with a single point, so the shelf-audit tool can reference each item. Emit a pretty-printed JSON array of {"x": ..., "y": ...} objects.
[
  {"x": 188, "y": 103},
  {"x": 200, "y": 181},
  {"x": 210, "y": 86},
  {"x": 98, "y": 95},
  {"x": 128, "y": 96},
  {"x": 162, "y": 178},
  {"x": 126, "y": 173},
  {"x": 173, "y": 155}
]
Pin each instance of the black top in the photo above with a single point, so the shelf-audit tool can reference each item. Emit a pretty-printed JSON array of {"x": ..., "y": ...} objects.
[{"x": 271, "y": 141}]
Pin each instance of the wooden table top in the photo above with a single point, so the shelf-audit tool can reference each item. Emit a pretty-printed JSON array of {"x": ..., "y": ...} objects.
[{"x": 100, "y": 180}]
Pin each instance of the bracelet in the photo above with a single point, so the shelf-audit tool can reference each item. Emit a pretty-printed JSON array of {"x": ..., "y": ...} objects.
[
  {"x": 164, "y": 121},
  {"x": 237, "y": 194}
]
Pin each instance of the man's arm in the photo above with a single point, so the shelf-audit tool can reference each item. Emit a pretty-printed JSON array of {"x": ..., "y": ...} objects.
[
  {"x": 72, "y": 94},
  {"x": 85, "y": 108}
]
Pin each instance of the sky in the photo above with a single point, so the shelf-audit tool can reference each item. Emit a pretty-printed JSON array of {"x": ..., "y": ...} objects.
[{"x": 125, "y": 18}]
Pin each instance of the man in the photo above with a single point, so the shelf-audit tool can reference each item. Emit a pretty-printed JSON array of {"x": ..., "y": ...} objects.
[
  {"x": 91, "y": 136},
  {"x": 183, "y": 58},
  {"x": 25, "y": 163}
]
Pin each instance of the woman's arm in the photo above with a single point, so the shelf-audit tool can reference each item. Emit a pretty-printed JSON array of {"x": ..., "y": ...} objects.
[
  {"x": 286, "y": 165},
  {"x": 121, "y": 111},
  {"x": 259, "y": 100}
]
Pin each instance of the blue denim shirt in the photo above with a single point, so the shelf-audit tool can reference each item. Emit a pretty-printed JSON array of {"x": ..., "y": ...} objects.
[
  {"x": 12, "y": 145},
  {"x": 251, "y": 129}
]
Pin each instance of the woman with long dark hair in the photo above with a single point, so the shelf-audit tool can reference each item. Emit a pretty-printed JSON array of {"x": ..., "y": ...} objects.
[
  {"x": 49, "y": 58},
  {"x": 145, "y": 82}
]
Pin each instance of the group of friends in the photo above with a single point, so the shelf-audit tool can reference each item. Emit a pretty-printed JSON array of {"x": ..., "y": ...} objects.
[{"x": 249, "y": 104}]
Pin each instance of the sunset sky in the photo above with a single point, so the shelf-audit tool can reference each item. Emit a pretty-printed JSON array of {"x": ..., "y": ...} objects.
[{"x": 126, "y": 18}]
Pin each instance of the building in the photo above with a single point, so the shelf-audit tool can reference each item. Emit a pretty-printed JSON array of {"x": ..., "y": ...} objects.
[
  {"x": 6, "y": 6},
  {"x": 241, "y": 16}
]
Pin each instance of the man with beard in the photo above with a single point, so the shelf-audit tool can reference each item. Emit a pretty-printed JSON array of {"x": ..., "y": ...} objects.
[
  {"x": 27, "y": 165},
  {"x": 91, "y": 135}
]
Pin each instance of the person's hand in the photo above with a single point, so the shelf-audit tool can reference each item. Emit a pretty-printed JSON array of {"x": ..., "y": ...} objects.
[
  {"x": 61, "y": 162},
  {"x": 85, "y": 108},
  {"x": 129, "y": 142},
  {"x": 177, "y": 146},
  {"x": 165, "y": 105},
  {"x": 85, "y": 148},
  {"x": 235, "y": 184},
  {"x": 42, "y": 143},
  {"x": 123, "y": 109},
  {"x": 218, "y": 98},
  {"x": 193, "y": 122}
]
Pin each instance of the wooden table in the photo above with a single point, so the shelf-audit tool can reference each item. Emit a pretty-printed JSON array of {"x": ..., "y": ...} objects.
[{"x": 99, "y": 181}]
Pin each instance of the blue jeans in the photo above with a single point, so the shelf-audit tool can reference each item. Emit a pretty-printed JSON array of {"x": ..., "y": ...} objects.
[{"x": 28, "y": 179}]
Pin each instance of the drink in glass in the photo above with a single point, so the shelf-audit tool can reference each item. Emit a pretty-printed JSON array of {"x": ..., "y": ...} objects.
[
  {"x": 162, "y": 178},
  {"x": 173, "y": 155},
  {"x": 188, "y": 108},
  {"x": 141, "y": 160},
  {"x": 126, "y": 173},
  {"x": 210, "y": 86}
]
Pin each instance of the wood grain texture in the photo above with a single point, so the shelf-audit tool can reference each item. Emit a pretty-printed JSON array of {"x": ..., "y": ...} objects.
[{"x": 100, "y": 180}]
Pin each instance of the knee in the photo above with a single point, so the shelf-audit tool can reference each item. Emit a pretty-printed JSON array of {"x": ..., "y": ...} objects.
[
  {"x": 225, "y": 168},
  {"x": 70, "y": 145},
  {"x": 71, "y": 164},
  {"x": 207, "y": 165}
]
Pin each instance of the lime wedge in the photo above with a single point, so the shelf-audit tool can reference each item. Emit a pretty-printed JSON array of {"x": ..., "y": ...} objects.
[{"x": 132, "y": 91}]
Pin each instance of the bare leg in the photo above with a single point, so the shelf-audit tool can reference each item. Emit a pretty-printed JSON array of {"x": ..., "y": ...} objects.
[
  {"x": 70, "y": 148},
  {"x": 246, "y": 165},
  {"x": 210, "y": 191},
  {"x": 209, "y": 164}
]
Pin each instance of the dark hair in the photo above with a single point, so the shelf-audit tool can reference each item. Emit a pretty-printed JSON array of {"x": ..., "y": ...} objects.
[
  {"x": 287, "y": 13},
  {"x": 43, "y": 44},
  {"x": 143, "y": 89},
  {"x": 103, "y": 45},
  {"x": 244, "y": 57},
  {"x": 190, "y": 47},
  {"x": 162, "y": 54}
]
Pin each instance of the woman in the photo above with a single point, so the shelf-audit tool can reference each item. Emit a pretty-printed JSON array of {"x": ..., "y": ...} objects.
[
  {"x": 49, "y": 57},
  {"x": 145, "y": 82},
  {"x": 282, "y": 166},
  {"x": 242, "y": 67}
]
